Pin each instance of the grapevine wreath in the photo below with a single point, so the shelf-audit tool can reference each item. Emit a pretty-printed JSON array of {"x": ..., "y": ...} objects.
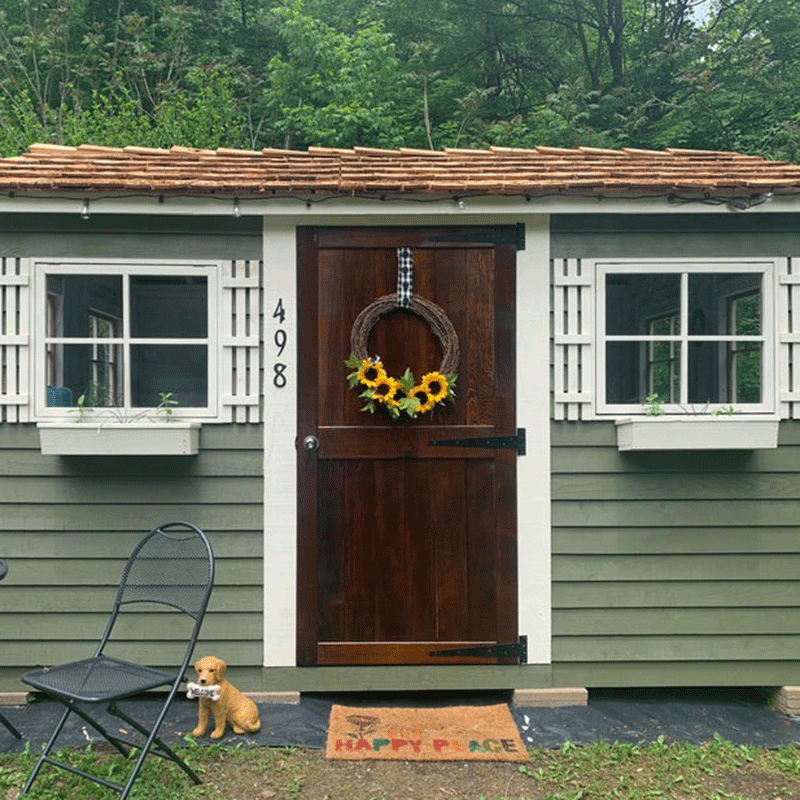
[{"x": 404, "y": 394}]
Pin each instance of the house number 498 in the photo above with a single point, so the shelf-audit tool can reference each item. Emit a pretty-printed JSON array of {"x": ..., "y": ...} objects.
[{"x": 279, "y": 368}]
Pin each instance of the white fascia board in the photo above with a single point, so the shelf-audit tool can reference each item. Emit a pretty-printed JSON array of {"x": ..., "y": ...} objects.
[{"x": 413, "y": 207}]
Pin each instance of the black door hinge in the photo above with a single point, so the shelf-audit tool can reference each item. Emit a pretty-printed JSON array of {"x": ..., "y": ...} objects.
[
  {"x": 516, "y": 650},
  {"x": 516, "y": 442}
]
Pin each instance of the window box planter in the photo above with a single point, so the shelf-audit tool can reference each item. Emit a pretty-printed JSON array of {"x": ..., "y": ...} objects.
[
  {"x": 696, "y": 433},
  {"x": 119, "y": 438}
]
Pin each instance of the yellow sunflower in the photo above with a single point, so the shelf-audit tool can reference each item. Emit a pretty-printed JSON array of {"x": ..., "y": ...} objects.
[
  {"x": 384, "y": 390},
  {"x": 393, "y": 398},
  {"x": 435, "y": 384},
  {"x": 426, "y": 401},
  {"x": 369, "y": 374}
]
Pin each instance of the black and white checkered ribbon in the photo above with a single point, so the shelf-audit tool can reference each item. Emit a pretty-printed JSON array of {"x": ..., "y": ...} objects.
[{"x": 405, "y": 276}]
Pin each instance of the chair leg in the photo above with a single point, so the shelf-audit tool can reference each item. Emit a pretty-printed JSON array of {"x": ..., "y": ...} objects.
[
  {"x": 161, "y": 748},
  {"x": 46, "y": 752},
  {"x": 7, "y": 723},
  {"x": 123, "y": 747},
  {"x": 45, "y": 758}
]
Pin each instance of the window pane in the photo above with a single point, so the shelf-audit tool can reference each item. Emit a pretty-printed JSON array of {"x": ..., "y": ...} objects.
[
  {"x": 169, "y": 307},
  {"x": 176, "y": 368},
  {"x": 706, "y": 374},
  {"x": 625, "y": 372},
  {"x": 632, "y": 301},
  {"x": 90, "y": 371},
  {"x": 746, "y": 372},
  {"x": 724, "y": 372},
  {"x": 76, "y": 297},
  {"x": 665, "y": 371},
  {"x": 708, "y": 299}
]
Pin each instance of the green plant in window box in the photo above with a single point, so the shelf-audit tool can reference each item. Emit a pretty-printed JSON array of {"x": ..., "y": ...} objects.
[
  {"x": 654, "y": 407},
  {"x": 164, "y": 408},
  {"x": 84, "y": 407},
  {"x": 88, "y": 409}
]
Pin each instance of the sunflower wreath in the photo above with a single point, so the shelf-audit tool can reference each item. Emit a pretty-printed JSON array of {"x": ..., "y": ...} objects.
[{"x": 402, "y": 395}]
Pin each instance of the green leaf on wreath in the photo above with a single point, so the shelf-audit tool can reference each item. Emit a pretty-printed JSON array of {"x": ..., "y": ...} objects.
[
  {"x": 407, "y": 382},
  {"x": 409, "y": 405},
  {"x": 352, "y": 380},
  {"x": 354, "y": 362}
]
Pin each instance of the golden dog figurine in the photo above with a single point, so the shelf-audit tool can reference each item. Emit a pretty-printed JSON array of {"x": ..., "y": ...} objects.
[{"x": 221, "y": 699}]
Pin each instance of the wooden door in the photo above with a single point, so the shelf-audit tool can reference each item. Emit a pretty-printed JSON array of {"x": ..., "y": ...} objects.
[{"x": 405, "y": 548}]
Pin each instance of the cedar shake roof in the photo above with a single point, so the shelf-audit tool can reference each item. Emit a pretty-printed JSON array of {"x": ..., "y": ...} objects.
[{"x": 367, "y": 172}]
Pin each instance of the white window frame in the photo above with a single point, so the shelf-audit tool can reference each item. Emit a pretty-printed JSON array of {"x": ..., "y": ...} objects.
[
  {"x": 768, "y": 337},
  {"x": 211, "y": 270}
]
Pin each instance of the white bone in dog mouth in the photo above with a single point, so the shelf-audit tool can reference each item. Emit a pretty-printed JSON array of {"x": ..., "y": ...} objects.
[{"x": 196, "y": 690}]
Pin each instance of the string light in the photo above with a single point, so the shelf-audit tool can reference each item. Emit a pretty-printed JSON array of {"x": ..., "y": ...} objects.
[{"x": 461, "y": 201}]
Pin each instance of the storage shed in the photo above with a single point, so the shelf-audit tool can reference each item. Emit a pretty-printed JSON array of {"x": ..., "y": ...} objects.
[{"x": 564, "y": 453}]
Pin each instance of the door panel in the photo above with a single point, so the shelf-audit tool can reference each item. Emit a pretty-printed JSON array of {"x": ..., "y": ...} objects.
[{"x": 404, "y": 547}]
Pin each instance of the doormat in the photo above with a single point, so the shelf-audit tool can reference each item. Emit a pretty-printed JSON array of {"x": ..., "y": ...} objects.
[{"x": 453, "y": 733}]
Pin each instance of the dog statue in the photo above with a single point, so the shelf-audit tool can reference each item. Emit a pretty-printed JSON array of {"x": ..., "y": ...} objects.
[{"x": 221, "y": 699}]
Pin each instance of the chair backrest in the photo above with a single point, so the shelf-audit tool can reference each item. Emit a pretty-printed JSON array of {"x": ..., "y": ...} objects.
[{"x": 173, "y": 565}]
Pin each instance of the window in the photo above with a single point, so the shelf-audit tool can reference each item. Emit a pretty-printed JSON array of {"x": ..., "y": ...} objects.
[
  {"x": 119, "y": 335},
  {"x": 692, "y": 336}
]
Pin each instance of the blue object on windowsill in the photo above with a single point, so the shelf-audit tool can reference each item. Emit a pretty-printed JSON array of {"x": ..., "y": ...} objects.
[{"x": 59, "y": 396}]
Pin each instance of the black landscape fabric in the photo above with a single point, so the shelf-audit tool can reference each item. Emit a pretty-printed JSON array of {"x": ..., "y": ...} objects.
[{"x": 625, "y": 716}]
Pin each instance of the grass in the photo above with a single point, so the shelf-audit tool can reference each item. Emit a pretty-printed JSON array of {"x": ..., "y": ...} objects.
[{"x": 662, "y": 770}]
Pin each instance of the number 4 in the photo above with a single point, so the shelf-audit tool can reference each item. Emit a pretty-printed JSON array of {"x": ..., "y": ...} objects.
[{"x": 279, "y": 311}]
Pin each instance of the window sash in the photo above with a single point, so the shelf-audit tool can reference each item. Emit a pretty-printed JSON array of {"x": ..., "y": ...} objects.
[
  {"x": 45, "y": 341},
  {"x": 684, "y": 338}
]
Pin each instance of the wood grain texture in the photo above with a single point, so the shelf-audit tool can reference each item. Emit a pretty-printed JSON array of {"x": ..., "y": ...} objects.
[{"x": 402, "y": 541}]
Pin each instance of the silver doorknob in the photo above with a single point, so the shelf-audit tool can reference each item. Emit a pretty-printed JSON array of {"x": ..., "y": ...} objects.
[{"x": 311, "y": 443}]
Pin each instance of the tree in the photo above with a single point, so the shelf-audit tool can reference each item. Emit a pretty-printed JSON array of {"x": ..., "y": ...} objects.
[
  {"x": 422, "y": 73},
  {"x": 334, "y": 88}
]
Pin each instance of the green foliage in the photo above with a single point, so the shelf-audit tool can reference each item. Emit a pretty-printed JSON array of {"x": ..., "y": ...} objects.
[
  {"x": 333, "y": 88},
  {"x": 417, "y": 73}
]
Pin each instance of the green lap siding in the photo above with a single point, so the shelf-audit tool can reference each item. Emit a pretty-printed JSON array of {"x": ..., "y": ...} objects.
[
  {"x": 68, "y": 524},
  {"x": 679, "y": 568}
]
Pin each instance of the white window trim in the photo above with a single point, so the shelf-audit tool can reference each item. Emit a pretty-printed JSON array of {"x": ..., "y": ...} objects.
[
  {"x": 769, "y": 266},
  {"x": 41, "y": 267}
]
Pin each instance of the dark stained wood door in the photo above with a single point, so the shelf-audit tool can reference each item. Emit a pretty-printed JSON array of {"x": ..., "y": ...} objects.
[{"x": 405, "y": 548}]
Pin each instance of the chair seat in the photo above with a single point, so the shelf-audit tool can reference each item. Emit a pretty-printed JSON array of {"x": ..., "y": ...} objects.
[{"x": 97, "y": 680}]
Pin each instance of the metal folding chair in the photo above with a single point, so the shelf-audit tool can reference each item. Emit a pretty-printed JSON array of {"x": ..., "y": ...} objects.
[
  {"x": 3, "y": 721},
  {"x": 173, "y": 568}
]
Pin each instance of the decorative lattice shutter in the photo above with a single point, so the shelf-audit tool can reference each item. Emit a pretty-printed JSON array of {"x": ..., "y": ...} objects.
[
  {"x": 241, "y": 370},
  {"x": 573, "y": 334},
  {"x": 789, "y": 338},
  {"x": 14, "y": 339}
]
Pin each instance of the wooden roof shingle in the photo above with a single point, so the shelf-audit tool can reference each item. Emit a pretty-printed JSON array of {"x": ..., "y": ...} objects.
[{"x": 366, "y": 171}]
